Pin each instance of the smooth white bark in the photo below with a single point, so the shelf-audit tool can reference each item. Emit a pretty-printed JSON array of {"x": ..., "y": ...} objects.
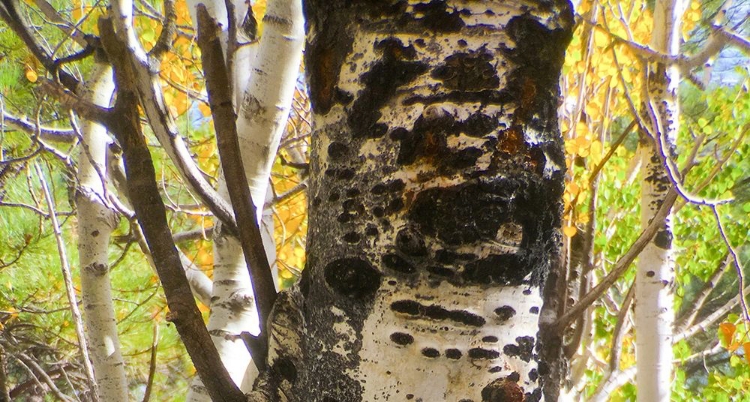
[
  {"x": 654, "y": 307},
  {"x": 268, "y": 80},
  {"x": 95, "y": 223},
  {"x": 263, "y": 113}
]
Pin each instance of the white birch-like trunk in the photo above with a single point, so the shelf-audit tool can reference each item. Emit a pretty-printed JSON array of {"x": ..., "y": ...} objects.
[
  {"x": 268, "y": 80},
  {"x": 95, "y": 224},
  {"x": 267, "y": 100},
  {"x": 654, "y": 306},
  {"x": 435, "y": 184}
]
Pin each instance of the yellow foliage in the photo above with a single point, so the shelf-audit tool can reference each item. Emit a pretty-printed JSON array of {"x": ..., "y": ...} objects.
[{"x": 31, "y": 75}]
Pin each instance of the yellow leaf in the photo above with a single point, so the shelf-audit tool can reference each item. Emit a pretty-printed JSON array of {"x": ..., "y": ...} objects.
[
  {"x": 601, "y": 39},
  {"x": 726, "y": 330},
  {"x": 31, "y": 75},
  {"x": 570, "y": 231},
  {"x": 746, "y": 348}
]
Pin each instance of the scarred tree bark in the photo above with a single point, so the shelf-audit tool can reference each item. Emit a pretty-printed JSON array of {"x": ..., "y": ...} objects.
[
  {"x": 654, "y": 294},
  {"x": 436, "y": 184}
]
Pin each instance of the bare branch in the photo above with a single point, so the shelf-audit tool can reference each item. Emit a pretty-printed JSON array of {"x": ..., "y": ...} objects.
[
  {"x": 52, "y": 134},
  {"x": 151, "y": 214},
  {"x": 220, "y": 100},
  {"x": 18, "y": 23},
  {"x": 622, "y": 264}
]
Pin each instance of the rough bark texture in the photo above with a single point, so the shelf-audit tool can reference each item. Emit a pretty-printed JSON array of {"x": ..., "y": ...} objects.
[{"x": 436, "y": 184}]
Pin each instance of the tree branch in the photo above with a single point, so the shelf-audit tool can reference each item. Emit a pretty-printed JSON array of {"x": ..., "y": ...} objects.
[
  {"x": 9, "y": 13},
  {"x": 146, "y": 80},
  {"x": 220, "y": 100},
  {"x": 151, "y": 213},
  {"x": 622, "y": 264}
]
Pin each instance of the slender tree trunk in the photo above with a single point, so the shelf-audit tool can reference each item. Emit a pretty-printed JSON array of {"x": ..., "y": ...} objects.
[
  {"x": 436, "y": 181},
  {"x": 95, "y": 223},
  {"x": 654, "y": 307},
  {"x": 266, "y": 83}
]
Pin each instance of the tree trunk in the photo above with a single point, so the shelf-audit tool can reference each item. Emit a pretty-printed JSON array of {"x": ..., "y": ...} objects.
[
  {"x": 266, "y": 83},
  {"x": 436, "y": 180},
  {"x": 654, "y": 307},
  {"x": 95, "y": 224}
]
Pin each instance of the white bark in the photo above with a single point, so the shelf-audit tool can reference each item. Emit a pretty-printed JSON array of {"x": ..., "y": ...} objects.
[
  {"x": 265, "y": 106},
  {"x": 268, "y": 80},
  {"x": 654, "y": 307},
  {"x": 95, "y": 223},
  {"x": 429, "y": 233}
]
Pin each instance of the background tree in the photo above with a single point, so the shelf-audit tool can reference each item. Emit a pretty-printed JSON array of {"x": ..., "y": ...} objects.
[{"x": 604, "y": 93}]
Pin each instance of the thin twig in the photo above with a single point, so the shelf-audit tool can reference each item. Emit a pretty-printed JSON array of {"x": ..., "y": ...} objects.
[
  {"x": 152, "y": 364},
  {"x": 697, "y": 303},
  {"x": 737, "y": 264}
]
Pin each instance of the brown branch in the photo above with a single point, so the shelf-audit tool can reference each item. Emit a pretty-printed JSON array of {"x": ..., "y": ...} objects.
[
  {"x": 616, "y": 348},
  {"x": 734, "y": 38},
  {"x": 70, "y": 100},
  {"x": 66, "y": 26},
  {"x": 151, "y": 213},
  {"x": 9, "y": 13},
  {"x": 699, "y": 301},
  {"x": 220, "y": 100},
  {"x": 4, "y": 390},
  {"x": 622, "y": 264},
  {"x": 152, "y": 364},
  {"x": 164, "y": 42}
]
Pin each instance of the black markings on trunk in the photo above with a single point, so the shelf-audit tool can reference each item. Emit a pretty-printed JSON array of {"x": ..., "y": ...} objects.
[
  {"x": 380, "y": 84},
  {"x": 353, "y": 277},
  {"x": 397, "y": 263},
  {"x": 481, "y": 353},
  {"x": 523, "y": 350},
  {"x": 461, "y": 214},
  {"x": 534, "y": 82},
  {"x": 401, "y": 338},
  {"x": 663, "y": 239},
  {"x": 453, "y": 354},
  {"x": 323, "y": 58},
  {"x": 437, "y": 313},
  {"x": 490, "y": 339},
  {"x": 284, "y": 366},
  {"x": 468, "y": 72},
  {"x": 337, "y": 150},
  {"x": 410, "y": 242},
  {"x": 440, "y": 271},
  {"x": 505, "y": 313},
  {"x": 535, "y": 396},
  {"x": 503, "y": 269},
  {"x": 430, "y": 352},
  {"x": 427, "y": 142},
  {"x": 352, "y": 237}
]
